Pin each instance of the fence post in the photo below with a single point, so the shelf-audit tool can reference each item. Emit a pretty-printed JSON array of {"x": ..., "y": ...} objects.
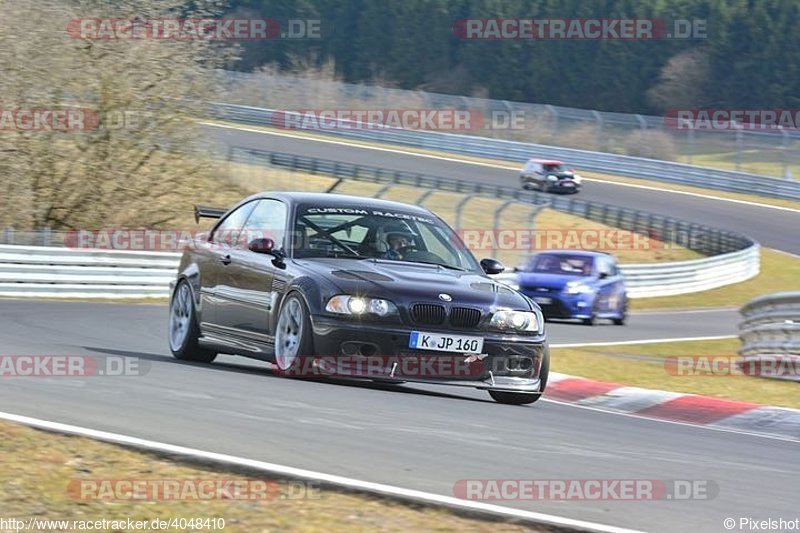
[
  {"x": 460, "y": 209},
  {"x": 599, "y": 130},
  {"x": 46, "y": 236},
  {"x": 785, "y": 150},
  {"x": 738, "y": 149},
  {"x": 9, "y": 235},
  {"x": 642, "y": 129},
  {"x": 424, "y": 196},
  {"x": 554, "y": 128}
]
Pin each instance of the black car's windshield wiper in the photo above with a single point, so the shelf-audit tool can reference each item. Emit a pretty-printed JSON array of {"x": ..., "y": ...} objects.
[{"x": 449, "y": 267}]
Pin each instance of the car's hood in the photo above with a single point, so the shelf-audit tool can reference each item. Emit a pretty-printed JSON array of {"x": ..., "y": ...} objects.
[
  {"x": 413, "y": 282},
  {"x": 536, "y": 280}
]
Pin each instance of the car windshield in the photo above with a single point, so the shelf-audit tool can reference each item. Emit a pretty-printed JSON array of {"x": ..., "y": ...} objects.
[
  {"x": 371, "y": 233},
  {"x": 565, "y": 265}
]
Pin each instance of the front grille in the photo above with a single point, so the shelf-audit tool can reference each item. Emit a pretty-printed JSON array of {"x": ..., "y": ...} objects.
[
  {"x": 464, "y": 317},
  {"x": 430, "y": 314}
]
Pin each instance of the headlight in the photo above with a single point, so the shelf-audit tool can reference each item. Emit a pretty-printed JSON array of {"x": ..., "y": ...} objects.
[
  {"x": 516, "y": 321},
  {"x": 345, "y": 304},
  {"x": 576, "y": 287},
  {"x": 577, "y": 179},
  {"x": 552, "y": 178}
]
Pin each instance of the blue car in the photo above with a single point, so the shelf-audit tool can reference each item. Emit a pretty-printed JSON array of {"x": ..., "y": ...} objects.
[{"x": 575, "y": 285}]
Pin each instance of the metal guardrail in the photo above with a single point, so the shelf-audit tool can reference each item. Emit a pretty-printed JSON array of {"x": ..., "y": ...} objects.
[
  {"x": 733, "y": 257},
  {"x": 771, "y": 325},
  {"x": 50, "y": 272},
  {"x": 654, "y": 137},
  {"x": 637, "y": 167}
]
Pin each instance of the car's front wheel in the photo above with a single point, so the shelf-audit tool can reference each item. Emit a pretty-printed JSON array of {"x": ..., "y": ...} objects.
[
  {"x": 293, "y": 336},
  {"x": 184, "y": 333}
]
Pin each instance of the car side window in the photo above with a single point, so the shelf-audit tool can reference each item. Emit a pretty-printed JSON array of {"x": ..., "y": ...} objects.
[
  {"x": 228, "y": 230},
  {"x": 267, "y": 221}
]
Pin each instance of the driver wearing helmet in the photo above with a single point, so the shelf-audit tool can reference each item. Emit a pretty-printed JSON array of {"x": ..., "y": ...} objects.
[{"x": 399, "y": 240}]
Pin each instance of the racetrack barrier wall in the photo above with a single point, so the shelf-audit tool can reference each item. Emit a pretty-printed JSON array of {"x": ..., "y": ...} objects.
[
  {"x": 771, "y": 325},
  {"x": 504, "y": 150}
]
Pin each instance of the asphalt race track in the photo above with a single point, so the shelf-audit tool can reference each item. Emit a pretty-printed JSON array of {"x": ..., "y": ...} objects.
[
  {"x": 424, "y": 438},
  {"x": 417, "y": 437},
  {"x": 773, "y": 228}
]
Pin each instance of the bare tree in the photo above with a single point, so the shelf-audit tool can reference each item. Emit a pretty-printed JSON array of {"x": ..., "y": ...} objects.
[
  {"x": 137, "y": 159},
  {"x": 683, "y": 81}
]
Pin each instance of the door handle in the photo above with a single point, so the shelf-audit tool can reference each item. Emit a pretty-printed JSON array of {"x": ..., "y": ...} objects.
[{"x": 225, "y": 260}]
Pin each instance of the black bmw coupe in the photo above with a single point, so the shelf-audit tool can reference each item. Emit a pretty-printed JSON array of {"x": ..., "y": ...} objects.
[{"x": 325, "y": 285}]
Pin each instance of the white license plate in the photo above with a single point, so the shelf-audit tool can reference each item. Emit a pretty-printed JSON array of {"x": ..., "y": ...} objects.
[
  {"x": 445, "y": 343},
  {"x": 542, "y": 300}
]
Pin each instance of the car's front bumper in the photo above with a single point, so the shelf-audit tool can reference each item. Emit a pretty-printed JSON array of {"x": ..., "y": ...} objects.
[
  {"x": 562, "y": 305},
  {"x": 509, "y": 362}
]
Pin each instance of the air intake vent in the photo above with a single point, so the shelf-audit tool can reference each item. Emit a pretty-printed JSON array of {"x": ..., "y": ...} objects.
[
  {"x": 430, "y": 314},
  {"x": 464, "y": 317}
]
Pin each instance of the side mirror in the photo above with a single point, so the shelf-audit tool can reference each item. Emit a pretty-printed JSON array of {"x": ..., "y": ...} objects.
[
  {"x": 267, "y": 247},
  {"x": 262, "y": 246},
  {"x": 602, "y": 275},
  {"x": 492, "y": 266}
]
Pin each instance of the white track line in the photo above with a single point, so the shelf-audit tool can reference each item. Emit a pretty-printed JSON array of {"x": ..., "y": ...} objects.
[
  {"x": 489, "y": 165},
  {"x": 339, "y": 481},
  {"x": 646, "y": 341}
]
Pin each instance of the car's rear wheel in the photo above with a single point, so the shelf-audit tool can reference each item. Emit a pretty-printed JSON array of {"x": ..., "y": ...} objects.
[
  {"x": 293, "y": 336},
  {"x": 525, "y": 398},
  {"x": 184, "y": 333}
]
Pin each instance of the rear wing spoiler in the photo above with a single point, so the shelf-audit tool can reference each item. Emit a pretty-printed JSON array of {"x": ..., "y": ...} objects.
[{"x": 208, "y": 212}]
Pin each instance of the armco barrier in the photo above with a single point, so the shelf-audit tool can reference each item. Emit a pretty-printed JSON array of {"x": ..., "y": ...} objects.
[
  {"x": 49, "y": 272},
  {"x": 771, "y": 325},
  {"x": 636, "y": 167}
]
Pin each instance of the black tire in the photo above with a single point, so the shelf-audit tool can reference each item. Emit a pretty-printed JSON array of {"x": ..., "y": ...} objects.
[
  {"x": 525, "y": 398},
  {"x": 306, "y": 344},
  {"x": 591, "y": 321},
  {"x": 189, "y": 349},
  {"x": 621, "y": 320}
]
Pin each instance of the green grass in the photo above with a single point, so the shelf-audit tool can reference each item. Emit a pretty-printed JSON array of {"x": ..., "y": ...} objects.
[
  {"x": 642, "y": 365},
  {"x": 779, "y": 272}
]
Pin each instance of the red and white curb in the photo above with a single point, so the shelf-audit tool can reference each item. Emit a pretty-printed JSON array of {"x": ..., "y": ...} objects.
[{"x": 676, "y": 407}]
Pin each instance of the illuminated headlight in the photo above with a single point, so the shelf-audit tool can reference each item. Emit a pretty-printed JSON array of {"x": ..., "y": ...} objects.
[
  {"x": 552, "y": 178},
  {"x": 576, "y": 287},
  {"x": 516, "y": 321},
  {"x": 344, "y": 304}
]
